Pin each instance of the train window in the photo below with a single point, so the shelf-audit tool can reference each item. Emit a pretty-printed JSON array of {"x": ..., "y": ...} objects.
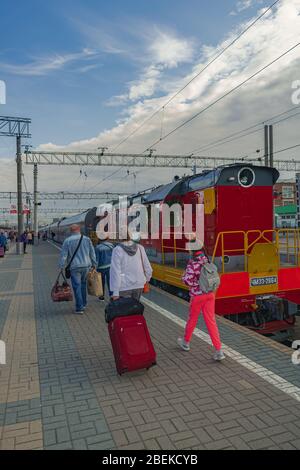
[
  {"x": 202, "y": 181},
  {"x": 246, "y": 177}
]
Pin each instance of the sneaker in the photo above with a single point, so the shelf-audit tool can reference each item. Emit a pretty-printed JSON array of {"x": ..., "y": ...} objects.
[
  {"x": 185, "y": 346},
  {"x": 101, "y": 299},
  {"x": 79, "y": 312},
  {"x": 219, "y": 355}
]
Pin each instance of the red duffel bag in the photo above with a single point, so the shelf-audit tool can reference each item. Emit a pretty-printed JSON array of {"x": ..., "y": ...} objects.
[{"x": 61, "y": 292}]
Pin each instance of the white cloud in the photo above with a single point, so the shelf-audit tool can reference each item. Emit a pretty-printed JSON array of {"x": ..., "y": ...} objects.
[
  {"x": 169, "y": 50},
  {"x": 165, "y": 51},
  {"x": 243, "y": 5},
  {"x": 145, "y": 87},
  {"x": 44, "y": 65}
]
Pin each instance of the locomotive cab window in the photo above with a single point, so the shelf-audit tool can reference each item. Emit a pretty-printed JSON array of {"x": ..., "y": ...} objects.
[{"x": 246, "y": 177}]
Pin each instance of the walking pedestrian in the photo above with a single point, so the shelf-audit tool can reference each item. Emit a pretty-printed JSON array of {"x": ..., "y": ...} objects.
[
  {"x": 11, "y": 236},
  {"x": 79, "y": 255},
  {"x": 24, "y": 240},
  {"x": 3, "y": 240},
  {"x": 200, "y": 301},
  {"x": 103, "y": 255},
  {"x": 130, "y": 269}
]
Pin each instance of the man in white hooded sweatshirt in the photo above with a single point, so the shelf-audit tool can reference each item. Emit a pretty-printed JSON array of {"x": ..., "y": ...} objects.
[{"x": 130, "y": 270}]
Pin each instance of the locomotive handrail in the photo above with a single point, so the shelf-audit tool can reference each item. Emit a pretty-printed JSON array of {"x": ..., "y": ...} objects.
[
  {"x": 270, "y": 236},
  {"x": 262, "y": 235},
  {"x": 221, "y": 235},
  {"x": 174, "y": 246},
  {"x": 296, "y": 233}
]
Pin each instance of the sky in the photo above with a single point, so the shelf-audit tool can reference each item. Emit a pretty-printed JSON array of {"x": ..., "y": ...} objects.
[{"x": 89, "y": 72}]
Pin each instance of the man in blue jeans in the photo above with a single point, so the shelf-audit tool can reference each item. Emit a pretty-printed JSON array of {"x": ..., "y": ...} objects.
[
  {"x": 83, "y": 261},
  {"x": 103, "y": 254}
]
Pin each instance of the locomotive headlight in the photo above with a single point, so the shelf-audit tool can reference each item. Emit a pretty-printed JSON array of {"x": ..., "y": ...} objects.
[{"x": 246, "y": 177}]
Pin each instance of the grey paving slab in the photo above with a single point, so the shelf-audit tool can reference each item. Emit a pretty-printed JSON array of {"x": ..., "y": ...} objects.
[
  {"x": 4, "y": 307},
  {"x": 8, "y": 281}
]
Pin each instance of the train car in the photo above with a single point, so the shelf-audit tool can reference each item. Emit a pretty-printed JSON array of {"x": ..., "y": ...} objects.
[{"x": 87, "y": 221}]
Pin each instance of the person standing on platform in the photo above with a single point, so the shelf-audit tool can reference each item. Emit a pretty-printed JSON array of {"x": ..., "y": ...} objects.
[
  {"x": 130, "y": 269},
  {"x": 29, "y": 238},
  {"x": 78, "y": 252},
  {"x": 200, "y": 301},
  {"x": 103, "y": 254},
  {"x": 24, "y": 240}
]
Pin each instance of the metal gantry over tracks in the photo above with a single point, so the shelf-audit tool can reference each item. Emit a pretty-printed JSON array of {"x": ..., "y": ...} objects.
[
  {"x": 62, "y": 195},
  {"x": 127, "y": 160},
  {"x": 15, "y": 127},
  {"x": 145, "y": 161}
]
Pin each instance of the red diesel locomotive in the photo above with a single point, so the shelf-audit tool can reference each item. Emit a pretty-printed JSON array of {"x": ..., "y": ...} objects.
[{"x": 259, "y": 266}]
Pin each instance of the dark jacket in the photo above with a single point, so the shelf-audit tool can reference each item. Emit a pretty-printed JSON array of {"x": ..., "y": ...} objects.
[
  {"x": 24, "y": 238},
  {"x": 3, "y": 240},
  {"x": 103, "y": 255}
]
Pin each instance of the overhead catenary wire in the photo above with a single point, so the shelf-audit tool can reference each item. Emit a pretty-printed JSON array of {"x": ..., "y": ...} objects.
[
  {"x": 287, "y": 148},
  {"x": 259, "y": 150},
  {"x": 236, "y": 136},
  {"x": 215, "y": 58},
  {"x": 106, "y": 178},
  {"x": 225, "y": 95},
  {"x": 224, "y": 140},
  {"x": 249, "y": 133},
  {"x": 221, "y": 141}
]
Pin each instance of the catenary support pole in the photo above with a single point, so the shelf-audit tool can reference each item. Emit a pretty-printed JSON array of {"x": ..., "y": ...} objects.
[
  {"x": 35, "y": 203},
  {"x": 266, "y": 145},
  {"x": 271, "y": 144},
  {"x": 19, "y": 195}
]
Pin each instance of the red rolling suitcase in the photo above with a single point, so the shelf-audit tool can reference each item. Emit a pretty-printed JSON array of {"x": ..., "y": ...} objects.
[
  {"x": 2, "y": 252},
  {"x": 131, "y": 343}
]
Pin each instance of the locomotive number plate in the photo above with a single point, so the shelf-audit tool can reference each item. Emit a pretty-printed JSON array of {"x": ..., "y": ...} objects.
[{"x": 264, "y": 281}]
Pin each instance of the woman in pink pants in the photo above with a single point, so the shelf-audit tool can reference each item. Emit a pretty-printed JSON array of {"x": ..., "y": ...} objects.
[{"x": 200, "y": 302}]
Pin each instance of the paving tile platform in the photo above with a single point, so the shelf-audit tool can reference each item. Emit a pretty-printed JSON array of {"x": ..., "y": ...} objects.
[{"x": 59, "y": 388}]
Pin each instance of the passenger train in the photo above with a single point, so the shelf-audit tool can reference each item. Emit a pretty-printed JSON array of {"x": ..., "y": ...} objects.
[{"x": 259, "y": 265}]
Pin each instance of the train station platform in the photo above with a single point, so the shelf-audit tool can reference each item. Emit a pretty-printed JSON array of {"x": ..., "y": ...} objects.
[{"x": 59, "y": 388}]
